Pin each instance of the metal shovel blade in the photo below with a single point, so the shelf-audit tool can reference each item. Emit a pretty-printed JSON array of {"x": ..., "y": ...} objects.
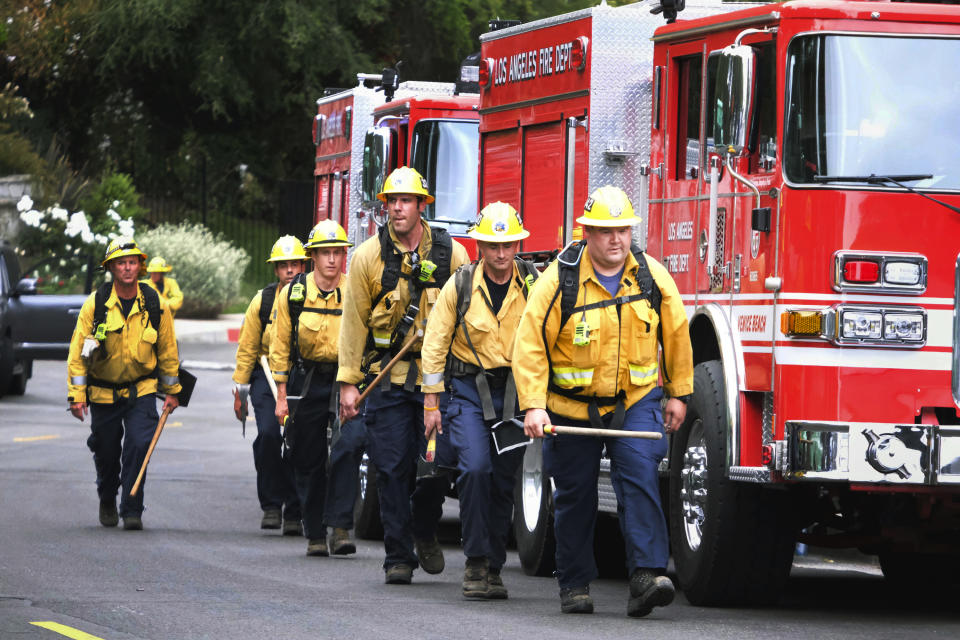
[
  {"x": 509, "y": 435},
  {"x": 427, "y": 465}
]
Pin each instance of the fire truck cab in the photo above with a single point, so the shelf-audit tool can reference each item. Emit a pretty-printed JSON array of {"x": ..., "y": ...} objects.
[
  {"x": 425, "y": 125},
  {"x": 796, "y": 166}
]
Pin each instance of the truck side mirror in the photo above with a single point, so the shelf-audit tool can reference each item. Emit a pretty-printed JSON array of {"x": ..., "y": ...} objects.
[
  {"x": 736, "y": 81},
  {"x": 26, "y": 287},
  {"x": 376, "y": 162}
]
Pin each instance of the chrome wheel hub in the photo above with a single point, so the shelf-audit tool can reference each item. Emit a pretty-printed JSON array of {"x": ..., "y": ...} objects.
[
  {"x": 531, "y": 480},
  {"x": 693, "y": 485}
]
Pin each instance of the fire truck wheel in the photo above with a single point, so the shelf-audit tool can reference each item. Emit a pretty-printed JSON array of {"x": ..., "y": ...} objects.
[
  {"x": 732, "y": 542},
  {"x": 533, "y": 515},
  {"x": 366, "y": 510},
  {"x": 902, "y": 569}
]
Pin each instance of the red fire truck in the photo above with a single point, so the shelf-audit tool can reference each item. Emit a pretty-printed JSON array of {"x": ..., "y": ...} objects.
[
  {"x": 796, "y": 164},
  {"x": 425, "y": 125}
]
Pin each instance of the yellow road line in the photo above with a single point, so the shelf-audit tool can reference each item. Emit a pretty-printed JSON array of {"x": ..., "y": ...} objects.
[
  {"x": 35, "y": 438},
  {"x": 175, "y": 424},
  {"x": 64, "y": 630}
]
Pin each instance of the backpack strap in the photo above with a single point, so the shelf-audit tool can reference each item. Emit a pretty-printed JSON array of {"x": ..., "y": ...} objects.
[
  {"x": 152, "y": 301},
  {"x": 441, "y": 250},
  {"x": 295, "y": 298},
  {"x": 267, "y": 295}
]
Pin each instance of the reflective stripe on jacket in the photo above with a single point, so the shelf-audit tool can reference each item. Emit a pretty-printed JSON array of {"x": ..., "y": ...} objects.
[{"x": 621, "y": 353}]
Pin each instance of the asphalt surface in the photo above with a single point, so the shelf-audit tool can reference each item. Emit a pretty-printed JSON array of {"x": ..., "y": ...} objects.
[{"x": 202, "y": 568}]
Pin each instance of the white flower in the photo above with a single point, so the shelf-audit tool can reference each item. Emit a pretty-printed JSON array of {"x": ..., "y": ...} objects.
[
  {"x": 87, "y": 236},
  {"x": 59, "y": 213},
  {"x": 116, "y": 203},
  {"x": 125, "y": 227},
  {"x": 112, "y": 236},
  {"x": 43, "y": 226},
  {"x": 31, "y": 218},
  {"x": 113, "y": 215},
  {"x": 25, "y": 204},
  {"x": 77, "y": 225},
  {"x": 101, "y": 239}
]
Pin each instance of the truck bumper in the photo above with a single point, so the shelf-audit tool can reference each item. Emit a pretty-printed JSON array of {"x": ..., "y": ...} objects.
[{"x": 872, "y": 452}]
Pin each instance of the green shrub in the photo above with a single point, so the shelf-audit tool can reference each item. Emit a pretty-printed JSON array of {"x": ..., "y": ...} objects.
[{"x": 208, "y": 268}]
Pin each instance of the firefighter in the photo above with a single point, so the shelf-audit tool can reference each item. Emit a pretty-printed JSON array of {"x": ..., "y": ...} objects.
[
  {"x": 167, "y": 287},
  {"x": 275, "y": 490},
  {"x": 474, "y": 322},
  {"x": 391, "y": 287},
  {"x": 303, "y": 360},
  {"x": 586, "y": 354},
  {"x": 123, "y": 352}
]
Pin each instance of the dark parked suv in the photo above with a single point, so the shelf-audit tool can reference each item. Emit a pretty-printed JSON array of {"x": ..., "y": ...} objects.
[{"x": 32, "y": 326}]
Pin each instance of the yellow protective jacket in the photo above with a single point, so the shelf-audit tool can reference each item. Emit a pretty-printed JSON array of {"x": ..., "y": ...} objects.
[
  {"x": 254, "y": 341},
  {"x": 316, "y": 332},
  {"x": 622, "y": 354},
  {"x": 132, "y": 349},
  {"x": 492, "y": 335},
  {"x": 363, "y": 285},
  {"x": 171, "y": 293}
]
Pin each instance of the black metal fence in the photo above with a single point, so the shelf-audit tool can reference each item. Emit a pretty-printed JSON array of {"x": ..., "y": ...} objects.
[{"x": 293, "y": 214}]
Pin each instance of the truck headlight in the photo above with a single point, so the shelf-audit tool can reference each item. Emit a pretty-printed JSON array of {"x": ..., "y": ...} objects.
[
  {"x": 860, "y": 325},
  {"x": 903, "y": 326}
]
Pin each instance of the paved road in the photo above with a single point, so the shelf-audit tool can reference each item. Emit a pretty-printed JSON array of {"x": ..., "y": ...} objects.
[{"x": 203, "y": 569}]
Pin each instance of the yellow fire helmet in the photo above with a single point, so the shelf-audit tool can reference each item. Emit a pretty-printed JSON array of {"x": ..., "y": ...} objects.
[
  {"x": 120, "y": 247},
  {"x": 498, "y": 222},
  {"x": 405, "y": 180},
  {"x": 158, "y": 265},
  {"x": 608, "y": 206},
  {"x": 287, "y": 248},
  {"x": 327, "y": 233}
]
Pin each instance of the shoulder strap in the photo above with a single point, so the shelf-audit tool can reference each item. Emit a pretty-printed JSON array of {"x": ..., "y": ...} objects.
[
  {"x": 100, "y": 306},
  {"x": 648, "y": 286},
  {"x": 441, "y": 249},
  {"x": 463, "y": 282},
  {"x": 152, "y": 300},
  {"x": 568, "y": 271},
  {"x": 295, "y": 307},
  {"x": 267, "y": 295},
  {"x": 392, "y": 263},
  {"x": 528, "y": 273}
]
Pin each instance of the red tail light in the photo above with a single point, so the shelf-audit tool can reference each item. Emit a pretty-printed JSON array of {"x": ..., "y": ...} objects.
[
  {"x": 578, "y": 53},
  {"x": 861, "y": 271},
  {"x": 485, "y": 72}
]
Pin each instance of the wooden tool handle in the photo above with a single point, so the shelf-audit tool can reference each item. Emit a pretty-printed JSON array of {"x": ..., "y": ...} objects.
[
  {"x": 601, "y": 433},
  {"x": 270, "y": 382},
  {"x": 386, "y": 369},
  {"x": 153, "y": 443},
  {"x": 431, "y": 447}
]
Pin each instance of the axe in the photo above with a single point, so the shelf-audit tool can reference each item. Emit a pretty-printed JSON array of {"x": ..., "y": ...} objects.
[
  {"x": 292, "y": 401},
  {"x": 153, "y": 443},
  {"x": 243, "y": 392},
  {"x": 187, "y": 383}
]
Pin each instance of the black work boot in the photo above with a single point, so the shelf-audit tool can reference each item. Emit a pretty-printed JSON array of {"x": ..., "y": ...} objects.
[
  {"x": 271, "y": 519},
  {"x": 399, "y": 574},
  {"x": 475, "y": 578},
  {"x": 576, "y": 600},
  {"x": 132, "y": 523},
  {"x": 495, "y": 588},
  {"x": 317, "y": 547},
  {"x": 430, "y": 555},
  {"x": 108, "y": 512},
  {"x": 340, "y": 542},
  {"x": 648, "y": 590},
  {"x": 292, "y": 528}
]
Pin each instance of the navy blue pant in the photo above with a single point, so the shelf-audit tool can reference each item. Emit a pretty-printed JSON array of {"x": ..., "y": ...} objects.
[
  {"x": 486, "y": 480},
  {"x": 345, "y": 457},
  {"x": 574, "y": 464},
  {"x": 274, "y": 474},
  {"x": 120, "y": 435},
  {"x": 307, "y": 439},
  {"x": 395, "y": 439}
]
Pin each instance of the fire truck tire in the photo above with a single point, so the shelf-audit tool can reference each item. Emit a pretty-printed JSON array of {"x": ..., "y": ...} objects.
[
  {"x": 366, "y": 510},
  {"x": 533, "y": 515},
  {"x": 904, "y": 569},
  {"x": 732, "y": 542}
]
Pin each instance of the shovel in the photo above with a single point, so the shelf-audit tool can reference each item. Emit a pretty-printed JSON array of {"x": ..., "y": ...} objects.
[
  {"x": 427, "y": 465},
  {"x": 509, "y": 434}
]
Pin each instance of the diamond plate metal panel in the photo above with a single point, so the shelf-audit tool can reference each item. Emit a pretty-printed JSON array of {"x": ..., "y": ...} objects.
[
  {"x": 364, "y": 101},
  {"x": 621, "y": 92}
]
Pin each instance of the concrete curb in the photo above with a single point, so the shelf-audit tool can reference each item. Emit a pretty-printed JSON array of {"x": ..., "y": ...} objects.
[{"x": 221, "y": 330}]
